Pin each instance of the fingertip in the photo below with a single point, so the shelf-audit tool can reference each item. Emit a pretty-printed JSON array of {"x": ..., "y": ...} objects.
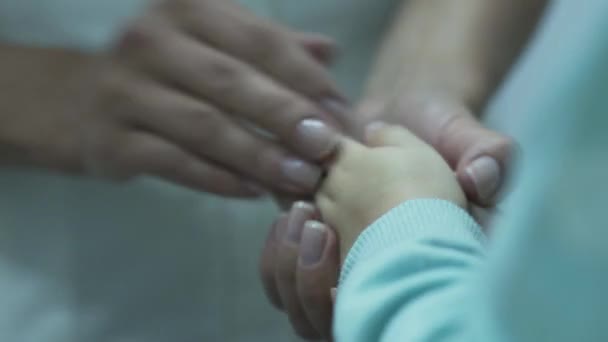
[
  {"x": 346, "y": 143},
  {"x": 484, "y": 170},
  {"x": 373, "y": 132},
  {"x": 380, "y": 134},
  {"x": 314, "y": 240},
  {"x": 302, "y": 205},
  {"x": 324, "y": 203}
]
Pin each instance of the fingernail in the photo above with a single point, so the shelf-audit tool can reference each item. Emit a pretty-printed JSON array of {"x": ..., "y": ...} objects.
[
  {"x": 300, "y": 213},
  {"x": 314, "y": 238},
  {"x": 372, "y": 128},
  {"x": 485, "y": 174},
  {"x": 315, "y": 138},
  {"x": 301, "y": 174}
]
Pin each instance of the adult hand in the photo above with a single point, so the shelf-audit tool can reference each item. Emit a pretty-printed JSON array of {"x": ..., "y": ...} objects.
[
  {"x": 205, "y": 94},
  {"x": 479, "y": 156},
  {"x": 299, "y": 262}
]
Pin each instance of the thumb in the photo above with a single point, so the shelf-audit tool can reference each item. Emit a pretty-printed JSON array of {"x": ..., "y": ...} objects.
[{"x": 480, "y": 157}]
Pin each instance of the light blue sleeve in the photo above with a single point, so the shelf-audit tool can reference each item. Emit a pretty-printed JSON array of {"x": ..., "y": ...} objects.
[
  {"x": 420, "y": 272},
  {"x": 406, "y": 277}
]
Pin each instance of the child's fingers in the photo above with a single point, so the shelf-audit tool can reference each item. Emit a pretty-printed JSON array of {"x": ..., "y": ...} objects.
[
  {"x": 287, "y": 256},
  {"x": 347, "y": 146},
  {"x": 380, "y": 134},
  {"x": 347, "y": 153}
]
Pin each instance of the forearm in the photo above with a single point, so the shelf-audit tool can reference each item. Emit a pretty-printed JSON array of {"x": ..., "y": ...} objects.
[
  {"x": 462, "y": 48},
  {"x": 38, "y": 88}
]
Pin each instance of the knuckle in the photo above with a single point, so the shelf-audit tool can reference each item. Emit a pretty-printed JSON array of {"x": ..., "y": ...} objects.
[
  {"x": 281, "y": 112},
  {"x": 266, "y": 43},
  {"x": 265, "y": 161},
  {"x": 221, "y": 76},
  {"x": 113, "y": 88},
  {"x": 118, "y": 93},
  {"x": 207, "y": 127},
  {"x": 141, "y": 37}
]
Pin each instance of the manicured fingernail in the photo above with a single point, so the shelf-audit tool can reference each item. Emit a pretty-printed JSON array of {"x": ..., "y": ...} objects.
[
  {"x": 315, "y": 138},
  {"x": 300, "y": 213},
  {"x": 301, "y": 174},
  {"x": 485, "y": 174},
  {"x": 314, "y": 238}
]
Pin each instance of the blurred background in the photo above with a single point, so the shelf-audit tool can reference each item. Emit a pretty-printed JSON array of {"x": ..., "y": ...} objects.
[{"x": 82, "y": 260}]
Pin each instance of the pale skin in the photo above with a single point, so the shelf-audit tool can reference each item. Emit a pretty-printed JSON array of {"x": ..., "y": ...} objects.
[
  {"x": 89, "y": 115},
  {"x": 440, "y": 63},
  {"x": 366, "y": 181},
  {"x": 201, "y": 93}
]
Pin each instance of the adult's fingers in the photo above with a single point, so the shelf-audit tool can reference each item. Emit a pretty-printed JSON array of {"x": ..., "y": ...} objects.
[
  {"x": 140, "y": 153},
  {"x": 257, "y": 41},
  {"x": 268, "y": 261},
  {"x": 317, "y": 273},
  {"x": 212, "y": 135},
  {"x": 482, "y": 158},
  {"x": 242, "y": 91},
  {"x": 288, "y": 254}
]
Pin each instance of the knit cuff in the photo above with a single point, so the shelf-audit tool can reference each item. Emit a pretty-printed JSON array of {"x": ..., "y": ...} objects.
[{"x": 413, "y": 220}]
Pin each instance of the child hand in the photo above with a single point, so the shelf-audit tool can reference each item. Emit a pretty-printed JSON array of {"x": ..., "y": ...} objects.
[{"x": 366, "y": 182}]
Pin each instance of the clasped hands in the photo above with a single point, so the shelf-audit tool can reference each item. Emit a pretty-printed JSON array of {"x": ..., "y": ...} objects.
[{"x": 445, "y": 154}]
